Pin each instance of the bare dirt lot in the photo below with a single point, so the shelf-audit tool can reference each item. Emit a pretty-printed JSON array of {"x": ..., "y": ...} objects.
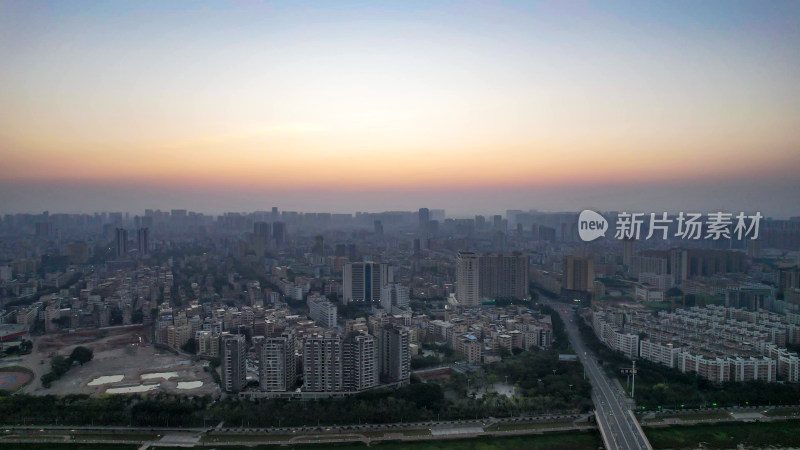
[
  {"x": 98, "y": 339},
  {"x": 124, "y": 361}
]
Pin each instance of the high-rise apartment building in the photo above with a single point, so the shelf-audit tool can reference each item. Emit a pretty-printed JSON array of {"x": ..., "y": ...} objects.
[
  {"x": 352, "y": 253},
  {"x": 279, "y": 233},
  {"x": 499, "y": 241},
  {"x": 319, "y": 246},
  {"x": 438, "y": 215},
  {"x": 277, "y": 369},
  {"x": 322, "y": 311},
  {"x": 121, "y": 242},
  {"x": 143, "y": 241},
  {"x": 628, "y": 250},
  {"x": 363, "y": 281},
  {"x": 43, "y": 230},
  {"x": 233, "y": 362},
  {"x": 685, "y": 264},
  {"x": 789, "y": 281},
  {"x": 433, "y": 228},
  {"x": 360, "y": 362},
  {"x": 468, "y": 291},
  {"x": 262, "y": 233},
  {"x": 394, "y": 353},
  {"x": 480, "y": 223},
  {"x": 322, "y": 363},
  {"x": 335, "y": 364},
  {"x": 394, "y": 297},
  {"x": 578, "y": 273},
  {"x": 648, "y": 264},
  {"x": 504, "y": 276},
  {"x": 424, "y": 220},
  {"x": 679, "y": 264},
  {"x": 497, "y": 223},
  {"x": 577, "y": 282},
  {"x": 262, "y": 230}
]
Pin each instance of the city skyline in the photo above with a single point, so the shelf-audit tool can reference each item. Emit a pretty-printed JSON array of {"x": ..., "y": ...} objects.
[{"x": 473, "y": 108}]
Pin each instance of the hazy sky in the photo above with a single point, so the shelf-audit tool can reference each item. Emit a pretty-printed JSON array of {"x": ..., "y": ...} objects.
[{"x": 349, "y": 106}]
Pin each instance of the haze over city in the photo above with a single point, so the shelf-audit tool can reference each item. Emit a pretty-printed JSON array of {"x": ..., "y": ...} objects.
[{"x": 474, "y": 107}]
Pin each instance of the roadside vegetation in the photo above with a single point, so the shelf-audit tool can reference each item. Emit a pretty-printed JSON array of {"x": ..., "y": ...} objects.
[
  {"x": 24, "y": 348},
  {"x": 727, "y": 435},
  {"x": 589, "y": 440}
]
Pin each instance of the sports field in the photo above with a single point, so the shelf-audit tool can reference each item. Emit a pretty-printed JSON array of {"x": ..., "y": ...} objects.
[{"x": 12, "y": 378}]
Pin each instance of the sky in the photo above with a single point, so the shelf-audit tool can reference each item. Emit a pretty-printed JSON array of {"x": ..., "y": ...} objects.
[{"x": 473, "y": 107}]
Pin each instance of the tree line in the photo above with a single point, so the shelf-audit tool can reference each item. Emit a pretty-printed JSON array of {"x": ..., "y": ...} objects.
[{"x": 60, "y": 365}]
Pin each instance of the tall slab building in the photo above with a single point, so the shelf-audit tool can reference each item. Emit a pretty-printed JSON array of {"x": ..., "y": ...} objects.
[
  {"x": 233, "y": 362},
  {"x": 468, "y": 292},
  {"x": 363, "y": 281}
]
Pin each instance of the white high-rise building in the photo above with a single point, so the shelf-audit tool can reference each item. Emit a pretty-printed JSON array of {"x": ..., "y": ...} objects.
[
  {"x": 322, "y": 311},
  {"x": 468, "y": 292},
  {"x": 394, "y": 297},
  {"x": 360, "y": 362},
  {"x": 363, "y": 281}
]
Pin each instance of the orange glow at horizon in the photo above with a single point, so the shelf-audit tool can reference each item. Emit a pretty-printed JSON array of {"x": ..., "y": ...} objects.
[{"x": 310, "y": 164}]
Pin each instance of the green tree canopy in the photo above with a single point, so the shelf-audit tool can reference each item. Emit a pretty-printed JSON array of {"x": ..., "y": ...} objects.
[{"x": 82, "y": 355}]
